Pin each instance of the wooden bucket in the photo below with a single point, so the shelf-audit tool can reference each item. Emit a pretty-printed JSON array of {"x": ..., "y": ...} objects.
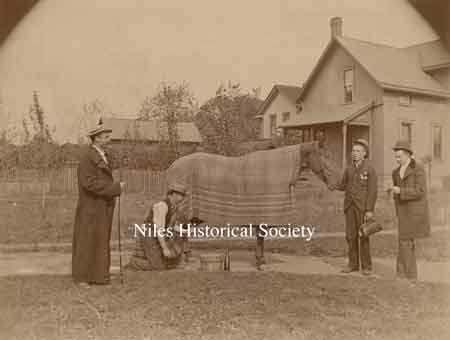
[{"x": 211, "y": 262}]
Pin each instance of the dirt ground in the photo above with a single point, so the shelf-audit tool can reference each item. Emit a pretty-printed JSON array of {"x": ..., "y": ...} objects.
[{"x": 267, "y": 305}]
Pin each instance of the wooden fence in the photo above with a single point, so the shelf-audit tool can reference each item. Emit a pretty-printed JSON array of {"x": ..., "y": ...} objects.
[{"x": 65, "y": 181}]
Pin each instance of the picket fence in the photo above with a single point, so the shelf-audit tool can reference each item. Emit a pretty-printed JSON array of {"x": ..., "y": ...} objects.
[{"x": 64, "y": 180}]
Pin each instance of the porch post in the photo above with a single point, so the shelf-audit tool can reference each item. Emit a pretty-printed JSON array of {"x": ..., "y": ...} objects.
[
  {"x": 371, "y": 132},
  {"x": 344, "y": 145}
]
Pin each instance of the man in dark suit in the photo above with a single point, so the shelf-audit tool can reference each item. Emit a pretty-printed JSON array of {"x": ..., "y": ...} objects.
[
  {"x": 94, "y": 214},
  {"x": 360, "y": 185},
  {"x": 411, "y": 205}
]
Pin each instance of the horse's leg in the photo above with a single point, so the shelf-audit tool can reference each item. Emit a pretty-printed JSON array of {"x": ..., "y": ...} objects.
[
  {"x": 259, "y": 249},
  {"x": 187, "y": 251}
]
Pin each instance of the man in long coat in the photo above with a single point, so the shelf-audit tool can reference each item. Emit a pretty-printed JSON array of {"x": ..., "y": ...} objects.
[
  {"x": 360, "y": 185},
  {"x": 94, "y": 214},
  {"x": 411, "y": 205}
]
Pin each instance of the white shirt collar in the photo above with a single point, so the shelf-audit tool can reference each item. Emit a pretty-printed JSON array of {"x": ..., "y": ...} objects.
[{"x": 403, "y": 168}]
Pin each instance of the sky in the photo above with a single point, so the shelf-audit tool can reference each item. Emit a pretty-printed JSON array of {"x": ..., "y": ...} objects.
[{"x": 118, "y": 51}]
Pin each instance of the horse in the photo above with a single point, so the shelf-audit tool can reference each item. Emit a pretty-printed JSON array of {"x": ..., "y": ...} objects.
[{"x": 256, "y": 188}]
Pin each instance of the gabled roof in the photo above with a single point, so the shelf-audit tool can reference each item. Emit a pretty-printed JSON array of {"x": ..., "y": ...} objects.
[
  {"x": 289, "y": 91},
  {"x": 391, "y": 67},
  {"x": 432, "y": 54},
  {"x": 149, "y": 130},
  {"x": 347, "y": 113}
]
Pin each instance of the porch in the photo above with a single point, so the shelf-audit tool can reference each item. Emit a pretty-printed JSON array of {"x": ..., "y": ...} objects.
[{"x": 340, "y": 129}]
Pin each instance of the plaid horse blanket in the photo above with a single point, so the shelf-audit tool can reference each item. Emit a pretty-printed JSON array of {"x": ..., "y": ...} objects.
[{"x": 255, "y": 188}]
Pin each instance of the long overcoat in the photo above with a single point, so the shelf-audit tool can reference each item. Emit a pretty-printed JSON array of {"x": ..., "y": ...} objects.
[
  {"x": 411, "y": 204},
  {"x": 93, "y": 219}
]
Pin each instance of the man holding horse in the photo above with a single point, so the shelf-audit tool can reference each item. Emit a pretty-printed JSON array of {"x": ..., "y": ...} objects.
[{"x": 360, "y": 185}]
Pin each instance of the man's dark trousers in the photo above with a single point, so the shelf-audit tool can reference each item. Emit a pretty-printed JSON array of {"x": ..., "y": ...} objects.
[{"x": 354, "y": 218}]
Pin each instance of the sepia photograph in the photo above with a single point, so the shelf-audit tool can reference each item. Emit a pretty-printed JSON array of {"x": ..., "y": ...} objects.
[{"x": 221, "y": 170}]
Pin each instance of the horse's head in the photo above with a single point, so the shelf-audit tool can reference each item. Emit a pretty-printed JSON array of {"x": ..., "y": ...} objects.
[{"x": 318, "y": 158}]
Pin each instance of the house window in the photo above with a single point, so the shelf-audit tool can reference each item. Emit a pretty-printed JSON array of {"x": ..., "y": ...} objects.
[
  {"x": 404, "y": 100},
  {"x": 406, "y": 131},
  {"x": 348, "y": 85},
  {"x": 299, "y": 106},
  {"x": 273, "y": 125},
  {"x": 285, "y": 116},
  {"x": 437, "y": 141}
]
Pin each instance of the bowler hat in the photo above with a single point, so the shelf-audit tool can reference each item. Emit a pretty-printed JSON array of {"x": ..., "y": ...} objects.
[
  {"x": 364, "y": 143},
  {"x": 177, "y": 187},
  {"x": 98, "y": 129},
  {"x": 403, "y": 145}
]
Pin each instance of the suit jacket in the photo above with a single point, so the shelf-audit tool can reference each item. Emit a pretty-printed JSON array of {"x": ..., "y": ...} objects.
[
  {"x": 411, "y": 205},
  {"x": 360, "y": 186}
]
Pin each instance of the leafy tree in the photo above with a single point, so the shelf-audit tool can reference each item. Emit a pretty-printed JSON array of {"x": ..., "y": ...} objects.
[
  {"x": 40, "y": 151},
  {"x": 227, "y": 119},
  {"x": 173, "y": 103}
]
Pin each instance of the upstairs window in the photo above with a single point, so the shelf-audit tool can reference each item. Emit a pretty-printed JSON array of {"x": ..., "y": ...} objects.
[
  {"x": 299, "y": 106},
  {"x": 348, "y": 85},
  {"x": 437, "y": 141},
  {"x": 404, "y": 100},
  {"x": 285, "y": 116},
  {"x": 406, "y": 131}
]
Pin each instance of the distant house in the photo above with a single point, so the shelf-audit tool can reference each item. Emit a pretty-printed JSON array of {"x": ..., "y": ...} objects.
[
  {"x": 126, "y": 132},
  {"x": 360, "y": 89},
  {"x": 278, "y": 108}
]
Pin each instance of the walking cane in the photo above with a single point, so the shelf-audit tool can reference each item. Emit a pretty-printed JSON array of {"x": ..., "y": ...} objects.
[{"x": 118, "y": 227}]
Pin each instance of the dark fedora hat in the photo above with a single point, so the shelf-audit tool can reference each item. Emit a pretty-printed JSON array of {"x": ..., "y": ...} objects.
[
  {"x": 364, "y": 143},
  {"x": 98, "y": 130},
  {"x": 403, "y": 145}
]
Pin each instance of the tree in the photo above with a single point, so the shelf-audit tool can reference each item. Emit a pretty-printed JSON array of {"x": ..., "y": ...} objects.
[
  {"x": 173, "y": 103},
  {"x": 228, "y": 119},
  {"x": 40, "y": 150},
  {"x": 38, "y": 121}
]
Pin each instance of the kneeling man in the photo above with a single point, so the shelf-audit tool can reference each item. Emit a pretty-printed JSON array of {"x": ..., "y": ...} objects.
[{"x": 160, "y": 250}]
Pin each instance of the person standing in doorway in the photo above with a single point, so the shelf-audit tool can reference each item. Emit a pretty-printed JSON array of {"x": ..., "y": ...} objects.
[
  {"x": 411, "y": 205},
  {"x": 94, "y": 213},
  {"x": 360, "y": 185}
]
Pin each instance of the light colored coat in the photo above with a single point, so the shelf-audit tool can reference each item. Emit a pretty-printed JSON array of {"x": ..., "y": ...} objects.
[{"x": 411, "y": 204}]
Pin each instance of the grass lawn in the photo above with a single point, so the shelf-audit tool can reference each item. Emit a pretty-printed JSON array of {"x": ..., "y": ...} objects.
[
  {"x": 23, "y": 220},
  {"x": 175, "y": 305}
]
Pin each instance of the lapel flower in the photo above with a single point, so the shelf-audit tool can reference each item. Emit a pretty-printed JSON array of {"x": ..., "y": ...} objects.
[{"x": 364, "y": 175}]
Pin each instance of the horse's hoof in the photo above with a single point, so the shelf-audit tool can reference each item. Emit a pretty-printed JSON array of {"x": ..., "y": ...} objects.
[{"x": 260, "y": 261}]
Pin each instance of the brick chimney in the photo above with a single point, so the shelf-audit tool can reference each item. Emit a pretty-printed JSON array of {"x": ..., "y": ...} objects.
[{"x": 336, "y": 27}]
